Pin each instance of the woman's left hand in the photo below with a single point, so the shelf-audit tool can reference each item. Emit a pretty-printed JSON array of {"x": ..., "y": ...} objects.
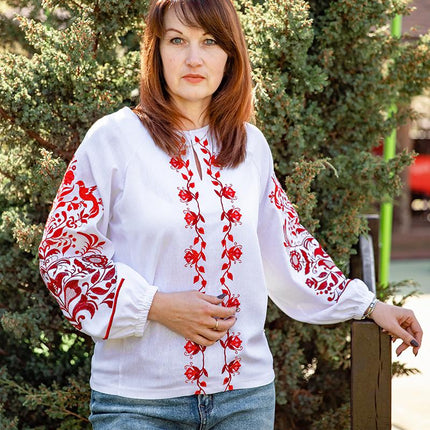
[{"x": 399, "y": 323}]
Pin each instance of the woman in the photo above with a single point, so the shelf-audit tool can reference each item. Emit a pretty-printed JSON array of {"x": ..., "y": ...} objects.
[{"x": 169, "y": 231}]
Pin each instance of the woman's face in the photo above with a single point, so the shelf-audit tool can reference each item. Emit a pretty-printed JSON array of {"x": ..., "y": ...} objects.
[{"x": 193, "y": 65}]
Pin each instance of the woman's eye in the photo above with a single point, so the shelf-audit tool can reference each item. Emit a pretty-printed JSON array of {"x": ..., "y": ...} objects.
[
  {"x": 176, "y": 41},
  {"x": 210, "y": 42}
]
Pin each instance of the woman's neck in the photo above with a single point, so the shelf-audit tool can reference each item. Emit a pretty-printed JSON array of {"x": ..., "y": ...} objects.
[{"x": 193, "y": 116}]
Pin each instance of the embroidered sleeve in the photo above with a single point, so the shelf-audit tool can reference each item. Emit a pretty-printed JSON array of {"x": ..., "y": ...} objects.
[
  {"x": 102, "y": 298},
  {"x": 301, "y": 277}
]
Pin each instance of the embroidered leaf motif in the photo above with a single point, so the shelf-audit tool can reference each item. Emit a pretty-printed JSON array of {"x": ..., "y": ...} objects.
[
  {"x": 305, "y": 253},
  {"x": 84, "y": 281}
]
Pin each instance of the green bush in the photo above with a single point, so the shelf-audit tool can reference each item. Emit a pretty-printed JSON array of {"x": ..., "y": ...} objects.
[{"x": 324, "y": 72}]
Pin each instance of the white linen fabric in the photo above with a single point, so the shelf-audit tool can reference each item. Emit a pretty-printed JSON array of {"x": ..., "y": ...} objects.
[{"x": 129, "y": 220}]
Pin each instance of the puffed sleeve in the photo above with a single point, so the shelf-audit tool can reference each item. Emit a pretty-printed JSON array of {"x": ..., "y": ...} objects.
[
  {"x": 301, "y": 278},
  {"x": 99, "y": 296}
]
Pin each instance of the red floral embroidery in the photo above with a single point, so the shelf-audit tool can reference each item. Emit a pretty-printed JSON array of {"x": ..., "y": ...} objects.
[
  {"x": 305, "y": 253},
  {"x": 193, "y": 219},
  {"x": 234, "y": 215},
  {"x": 177, "y": 163},
  {"x": 234, "y": 367},
  {"x": 234, "y": 253},
  {"x": 194, "y": 256},
  {"x": 193, "y": 373},
  {"x": 96, "y": 260},
  {"x": 228, "y": 193},
  {"x": 233, "y": 342},
  {"x": 73, "y": 267},
  {"x": 231, "y": 254},
  {"x": 192, "y": 348},
  {"x": 185, "y": 196},
  {"x": 295, "y": 260}
]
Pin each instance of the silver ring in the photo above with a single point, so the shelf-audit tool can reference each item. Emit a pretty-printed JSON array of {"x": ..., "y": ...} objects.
[{"x": 216, "y": 325}]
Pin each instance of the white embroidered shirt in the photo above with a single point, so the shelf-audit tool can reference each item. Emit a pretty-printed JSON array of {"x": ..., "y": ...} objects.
[{"x": 129, "y": 220}]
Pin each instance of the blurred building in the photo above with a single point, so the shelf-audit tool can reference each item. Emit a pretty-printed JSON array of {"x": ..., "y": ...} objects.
[{"x": 411, "y": 230}]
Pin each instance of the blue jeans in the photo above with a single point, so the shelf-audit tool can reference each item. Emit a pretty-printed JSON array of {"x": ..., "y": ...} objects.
[{"x": 250, "y": 409}]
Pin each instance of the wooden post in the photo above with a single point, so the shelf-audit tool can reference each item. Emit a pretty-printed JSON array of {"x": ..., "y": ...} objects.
[
  {"x": 370, "y": 377},
  {"x": 370, "y": 353}
]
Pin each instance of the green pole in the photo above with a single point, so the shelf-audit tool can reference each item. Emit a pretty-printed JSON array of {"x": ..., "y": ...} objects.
[{"x": 386, "y": 223}]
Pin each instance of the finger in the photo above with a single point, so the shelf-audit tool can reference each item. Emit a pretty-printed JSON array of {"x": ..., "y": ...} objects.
[
  {"x": 411, "y": 322},
  {"x": 218, "y": 324},
  {"x": 202, "y": 340},
  {"x": 416, "y": 342},
  {"x": 407, "y": 337},
  {"x": 402, "y": 347},
  {"x": 412, "y": 326},
  {"x": 393, "y": 338},
  {"x": 222, "y": 312},
  {"x": 212, "y": 335},
  {"x": 226, "y": 324},
  {"x": 416, "y": 330},
  {"x": 213, "y": 299}
]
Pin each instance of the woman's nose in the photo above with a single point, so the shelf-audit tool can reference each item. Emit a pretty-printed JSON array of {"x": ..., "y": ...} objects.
[{"x": 194, "y": 56}]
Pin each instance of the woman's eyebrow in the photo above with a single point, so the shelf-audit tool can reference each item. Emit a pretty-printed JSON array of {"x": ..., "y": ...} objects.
[
  {"x": 173, "y": 29},
  {"x": 180, "y": 32}
]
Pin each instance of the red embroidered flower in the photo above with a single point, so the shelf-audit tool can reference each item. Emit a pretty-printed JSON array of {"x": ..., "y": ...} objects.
[
  {"x": 192, "y": 373},
  {"x": 191, "y": 256},
  {"x": 232, "y": 302},
  {"x": 213, "y": 161},
  {"x": 233, "y": 366},
  {"x": 192, "y": 348},
  {"x": 311, "y": 282},
  {"x": 234, "y": 215},
  {"x": 295, "y": 260},
  {"x": 234, "y": 253},
  {"x": 69, "y": 177},
  {"x": 185, "y": 196},
  {"x": 96, "y": 260},
  {"x": 228, "y": 193},
  {"x": 191, "y": 217},
  {"x": 234, "y": 343},
  {"x": 177, "y": 163}
]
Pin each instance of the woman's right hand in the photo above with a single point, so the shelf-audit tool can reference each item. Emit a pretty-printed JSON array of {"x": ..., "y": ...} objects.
[{"x": 195, "y": 316}]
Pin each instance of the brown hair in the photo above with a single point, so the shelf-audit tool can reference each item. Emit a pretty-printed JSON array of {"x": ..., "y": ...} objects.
[{"x": 231, "y": 105}]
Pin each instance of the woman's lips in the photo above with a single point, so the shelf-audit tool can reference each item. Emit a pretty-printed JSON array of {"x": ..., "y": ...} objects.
[{"x": 194, "y": 79}]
